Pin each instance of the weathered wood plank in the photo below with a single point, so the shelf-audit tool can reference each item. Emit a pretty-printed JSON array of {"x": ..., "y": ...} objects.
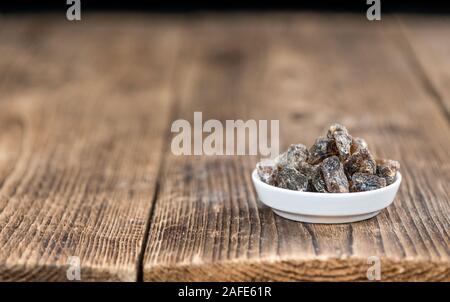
[
  {"x": 430, "y": 48},
  {"x": 307, "y": 71},
  {"x": 83, "y": 114}
]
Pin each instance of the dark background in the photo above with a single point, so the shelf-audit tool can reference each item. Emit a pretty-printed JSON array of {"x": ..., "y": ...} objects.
[{"x": 415, "y": 6}]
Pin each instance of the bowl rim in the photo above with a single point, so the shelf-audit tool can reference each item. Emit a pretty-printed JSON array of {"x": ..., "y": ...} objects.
[{"x": 256, "y": 179}]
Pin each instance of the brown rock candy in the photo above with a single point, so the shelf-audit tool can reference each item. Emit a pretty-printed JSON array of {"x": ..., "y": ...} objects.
[
  {"x": 309, "y": 171},
  {"x": 360, "y": 161},
  {"x": 366, "y": 182},
  {"x": 334, "y": 176},
  {"x": 342, "y": 139},
  {"x": 317, "y": 183},
  {"x": 306, "y": 169},
  {"x": 287, "y": 177},
  {"x": 387, "y": 169},
  {"x": 323, "y": 147},
  {"x": 281, "y": 159},
  {"x": 336, "y": 163},
  {"x": 357, "y": 144},
  {"x": 296, "y": 154},
  {"x": 266, "y": 171}
]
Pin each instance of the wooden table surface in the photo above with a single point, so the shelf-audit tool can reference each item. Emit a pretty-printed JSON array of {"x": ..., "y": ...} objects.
[{"x": 85, "y": 162}]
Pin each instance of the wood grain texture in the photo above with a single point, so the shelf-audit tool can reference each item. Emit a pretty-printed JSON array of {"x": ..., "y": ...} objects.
[
  {"x": 307, "y": 71},
  {"x": 430, "y": 48},
  {"x": 83, "y": 113},
  {"x": 85, "y": 110}
]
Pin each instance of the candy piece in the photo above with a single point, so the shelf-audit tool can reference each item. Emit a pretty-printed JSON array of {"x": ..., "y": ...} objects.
[
  {"x": 306, "y": 169},
  {"x": 360, "y": 161},
  {"x": 334, "y": 128},
  {"x": 334, "y": 176},
  {"x": 322, "y": 148},
  {"x": 290, "y": 178},
  {"x": 317, "y": 183},
  {"x": 342, "y": 138},
  {"x": 309, "y": 171},
  {"x": 343, "y": 142},
  {"x": 358, "y": 144},
  {"x": 335, "y": 163},
  {"x": 281, "y": 159},
  {"x": 266, "y": 171},
  {"x": 297, "y": 154},
  {"x": 387, "y": 169},
  {"x": 366, "y": 182}
]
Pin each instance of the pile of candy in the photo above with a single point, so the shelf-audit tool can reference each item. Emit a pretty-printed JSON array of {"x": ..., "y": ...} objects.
[{"x": 336, "y": 163}]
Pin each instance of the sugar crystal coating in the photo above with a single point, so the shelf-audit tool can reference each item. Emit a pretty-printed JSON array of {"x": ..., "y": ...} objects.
[
  {"x": 322, "y": 148},
  {"x": 335, "y": 127},
  {"x": 290, "y": 178},
  {"x": 314, "y": 175},
  {"x": 334, "y": 176},
  {"x": 387, "y": 169},
  {"x": 306, "y": 169},
  {"x": 342, "y": 139},
  {"x": 366, "y": 182},
  {"x": 317, "y": 182},
  {"x": 358, "y": 144},
  {"x": 297, "y": 154},
  {"x": 360, "y": 161},
  {"x": 266, "y": 171}
]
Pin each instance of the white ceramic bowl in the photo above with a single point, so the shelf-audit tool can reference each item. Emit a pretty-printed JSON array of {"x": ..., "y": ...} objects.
[{"x": 325, "y": 207}]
